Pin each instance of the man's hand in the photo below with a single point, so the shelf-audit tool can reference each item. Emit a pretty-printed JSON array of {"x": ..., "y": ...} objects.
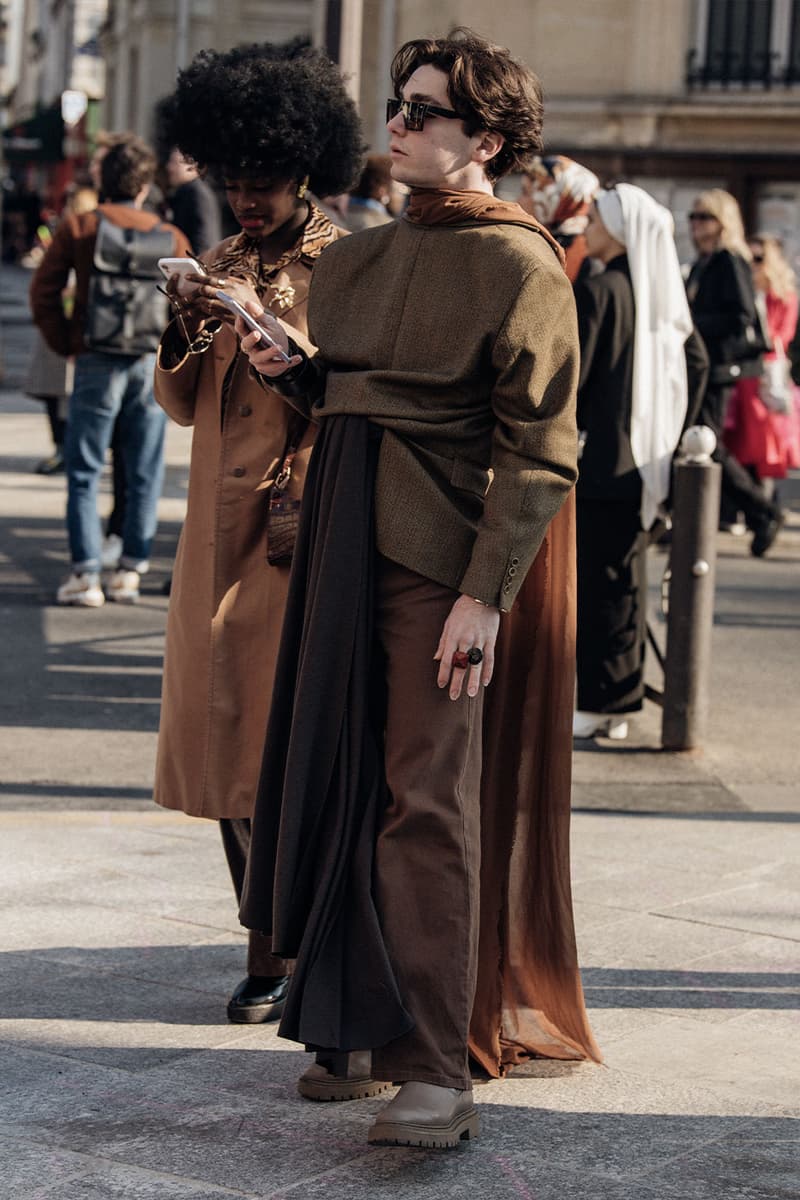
[
  {"x": 266, "y": 359},
  {"x": 470, "y": 625}
]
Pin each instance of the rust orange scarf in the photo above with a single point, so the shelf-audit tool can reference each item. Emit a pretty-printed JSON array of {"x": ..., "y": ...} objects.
[{"x": 441, "y": 206}]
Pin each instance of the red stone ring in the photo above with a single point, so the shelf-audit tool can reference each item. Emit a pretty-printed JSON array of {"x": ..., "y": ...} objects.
[{"x": 467, "y": 658}]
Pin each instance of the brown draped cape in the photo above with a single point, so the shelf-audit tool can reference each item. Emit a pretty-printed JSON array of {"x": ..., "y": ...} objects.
[{"x": 529, "y": 999}]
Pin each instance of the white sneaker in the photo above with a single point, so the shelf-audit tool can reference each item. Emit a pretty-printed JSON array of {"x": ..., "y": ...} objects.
[
  {"x": 83, "y": 590},
  {"x": 617, "y": 729},
  {"x": 111, "y": 551},
  {"x": 123, "y": 587},
  {"x": 589, "y": 725}
]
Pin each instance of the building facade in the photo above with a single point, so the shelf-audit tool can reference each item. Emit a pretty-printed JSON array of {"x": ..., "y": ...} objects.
[
  {"x": 145, "y": 43},
  {"x": 674, "y": 95},
  {"x": 55, "y": 80}
]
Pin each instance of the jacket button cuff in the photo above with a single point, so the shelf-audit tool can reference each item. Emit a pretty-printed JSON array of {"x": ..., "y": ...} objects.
[
  {"x": 238, "y": 472},
  {"x": 245, "y": 410}
]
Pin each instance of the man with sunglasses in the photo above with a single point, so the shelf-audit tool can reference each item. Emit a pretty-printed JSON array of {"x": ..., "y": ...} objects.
[{"x": 453, "y": 333}]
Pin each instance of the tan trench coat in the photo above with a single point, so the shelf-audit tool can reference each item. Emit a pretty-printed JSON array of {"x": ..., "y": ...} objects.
[{"x": 227, "y": 602}]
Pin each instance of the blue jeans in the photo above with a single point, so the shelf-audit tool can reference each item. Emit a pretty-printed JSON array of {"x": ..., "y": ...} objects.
[{"x": 107, "y": 387}]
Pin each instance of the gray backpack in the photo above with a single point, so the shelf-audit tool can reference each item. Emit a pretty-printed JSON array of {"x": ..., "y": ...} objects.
[{"x": 125, "y": 313}]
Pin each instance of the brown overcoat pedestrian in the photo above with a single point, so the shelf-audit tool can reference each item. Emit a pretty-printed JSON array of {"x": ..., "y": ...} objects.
[{"x": 227, "y": 602}]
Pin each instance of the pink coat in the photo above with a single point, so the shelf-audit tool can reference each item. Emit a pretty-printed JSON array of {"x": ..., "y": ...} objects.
[{"x": 767, "y": 441}]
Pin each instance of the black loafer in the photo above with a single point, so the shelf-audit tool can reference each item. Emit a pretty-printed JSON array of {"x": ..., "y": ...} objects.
[
  {"x": 52, "y": 465},
  {"x": 258, "y": 998},
  {"x": 766, "y": 532}
]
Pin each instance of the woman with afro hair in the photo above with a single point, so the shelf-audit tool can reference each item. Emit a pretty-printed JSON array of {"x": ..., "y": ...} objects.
[{"x": 271, "y": 123}]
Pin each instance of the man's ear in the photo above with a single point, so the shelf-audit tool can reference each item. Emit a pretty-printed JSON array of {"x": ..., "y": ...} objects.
[{"x": 489, "y": 145}]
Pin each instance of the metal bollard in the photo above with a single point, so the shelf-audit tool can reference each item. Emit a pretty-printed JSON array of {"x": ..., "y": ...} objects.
[{"x": 691, "y": 600}]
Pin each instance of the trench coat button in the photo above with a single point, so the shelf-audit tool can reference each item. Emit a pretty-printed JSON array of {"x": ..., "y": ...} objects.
[
  {"x": 245, "y": 410},
  {"x": 238, "y": 472},
  {"x": 512, "y": 571},
  {"x": 515, "y": 561}
]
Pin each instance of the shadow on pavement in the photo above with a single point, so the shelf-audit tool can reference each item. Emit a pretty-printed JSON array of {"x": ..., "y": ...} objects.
[
  {"x": 259, "y": 1137},
  {"x": 61, "y": 797},
  {"x": 78, "y": 668},
  {"x": 94, "y": 984},
  {"x": 612, "y": 988},
  {"x": 111, "y": 1053},
  {"x": 780, "y": 816}
]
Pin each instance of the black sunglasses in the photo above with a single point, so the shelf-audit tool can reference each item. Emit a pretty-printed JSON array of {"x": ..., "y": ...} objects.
[
  {"x": 701, "y": 216},
  {"x": 415, "y": 111}
]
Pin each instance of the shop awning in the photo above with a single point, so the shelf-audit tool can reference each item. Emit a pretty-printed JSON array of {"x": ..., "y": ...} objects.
[{"x": 39, "y": 139}]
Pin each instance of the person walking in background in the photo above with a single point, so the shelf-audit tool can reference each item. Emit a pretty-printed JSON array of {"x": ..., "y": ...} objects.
[
  {"x": 722, "y": 300},
  {"x": 369, "y": 201},
  {"x": 558, "y": 192},
  {"x": 193, "y": 204},
  {"x": 445, "y": 389},
  {"x": 111, "y": 548},
  {"x": 763, "y": 430},
  {"x": 49, "y": 379},
  {"x": 113, "y": 372},
  {"x": 793, "y": 351},
  {"x": 50, "y": 375},
  {"x": 229, "y": 585},
  {"x": 633, "y": 398}
]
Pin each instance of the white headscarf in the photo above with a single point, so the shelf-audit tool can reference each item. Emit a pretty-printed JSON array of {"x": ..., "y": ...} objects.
[{"x": 663, "y": 323}]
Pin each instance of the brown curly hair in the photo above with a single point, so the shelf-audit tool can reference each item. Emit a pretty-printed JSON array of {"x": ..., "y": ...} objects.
[
  {"x": 487, "y": 87},
  {"x": 128, "y": 166}
]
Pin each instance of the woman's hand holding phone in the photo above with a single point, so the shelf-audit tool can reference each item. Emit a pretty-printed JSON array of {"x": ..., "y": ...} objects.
[
  {"x": 238, "y": 289},
  {"x": 267, "y": 360},
  {"x": 184, "y": 301},
  {"x": 195, "y": 292},
  {"x": 196, "y": 295}
]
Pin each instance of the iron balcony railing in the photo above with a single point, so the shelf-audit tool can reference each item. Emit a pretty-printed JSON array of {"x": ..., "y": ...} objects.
[{"x": 737, "y": 69}]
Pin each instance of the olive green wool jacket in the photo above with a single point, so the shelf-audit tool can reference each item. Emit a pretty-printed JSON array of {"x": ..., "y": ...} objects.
[{"x": 461, "y": 342}]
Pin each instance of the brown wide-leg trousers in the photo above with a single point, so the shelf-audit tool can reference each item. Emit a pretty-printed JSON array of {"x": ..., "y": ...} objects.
[
  {"x": 236, "y": 843},
  {"x": 428, "y": 849}
]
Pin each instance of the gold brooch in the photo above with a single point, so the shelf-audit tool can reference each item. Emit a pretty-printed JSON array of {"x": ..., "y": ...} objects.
[{"x": 282, "y": 296}]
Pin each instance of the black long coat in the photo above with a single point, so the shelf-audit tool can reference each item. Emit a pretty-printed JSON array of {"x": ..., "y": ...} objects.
[
  {"x": 606, "y": 320},
  {"x": 723, "y": 306}
]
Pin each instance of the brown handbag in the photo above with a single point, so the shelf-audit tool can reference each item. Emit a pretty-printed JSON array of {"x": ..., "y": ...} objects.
[{"x": 283, "y": 513}]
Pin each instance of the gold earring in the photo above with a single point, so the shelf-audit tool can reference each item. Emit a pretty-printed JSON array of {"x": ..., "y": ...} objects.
[{"x": 302, "y": 188}]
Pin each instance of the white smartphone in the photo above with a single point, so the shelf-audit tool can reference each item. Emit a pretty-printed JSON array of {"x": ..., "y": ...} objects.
[
  {"x": 242, "y": 312},
  {"x": 182, "y": 267}
]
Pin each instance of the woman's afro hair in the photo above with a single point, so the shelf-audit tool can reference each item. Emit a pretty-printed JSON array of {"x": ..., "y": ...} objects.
[{"x": 268, "y": 112}]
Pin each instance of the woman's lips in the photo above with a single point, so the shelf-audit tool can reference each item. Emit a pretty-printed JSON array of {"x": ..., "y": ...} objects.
[{"x": 251, "y": 222}]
